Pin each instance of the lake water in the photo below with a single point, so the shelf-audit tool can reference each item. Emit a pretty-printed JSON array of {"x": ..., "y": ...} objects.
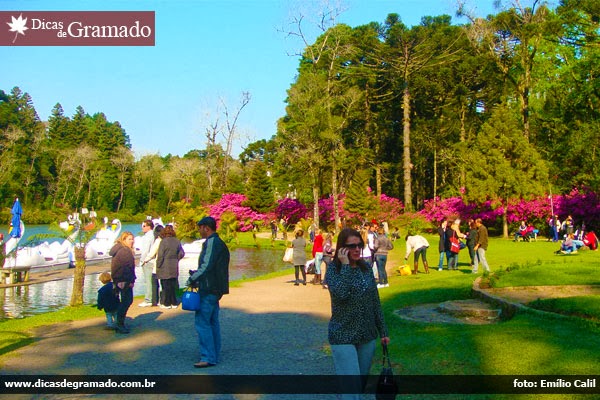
[{"x": 27, "y": 300}]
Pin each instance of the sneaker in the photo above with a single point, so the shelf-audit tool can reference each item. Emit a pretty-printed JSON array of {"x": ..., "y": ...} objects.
[
  {"x": 163, "y": 306},
  {"x": 387, "y": 285},
  {"x": 144, "y": 304},
  {"x": 439, "y": 269},
  {"x": 379, "y": 286}
]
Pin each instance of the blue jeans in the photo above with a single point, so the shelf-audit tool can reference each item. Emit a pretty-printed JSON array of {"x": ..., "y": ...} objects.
[
  {"x": 354, "y": 360},
  {"x": 452, "y": 259},
  {"x": 441, "y": 263},
  {"x": 381, "y": 273},
  {"x": 318, "y": 261},
  {"x": 111, "y": 319},
  {"x": 208, "y": 328}
]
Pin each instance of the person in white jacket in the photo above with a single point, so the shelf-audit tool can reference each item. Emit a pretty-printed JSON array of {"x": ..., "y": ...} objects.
[
  {"x": 151, "y": 259},
  {"x": 419, "y": 244}
]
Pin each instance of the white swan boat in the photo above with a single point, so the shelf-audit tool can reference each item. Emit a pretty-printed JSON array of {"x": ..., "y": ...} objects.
[
  {"x": 62, "y": 254},
  {"x": 193, "y": 249},
  {"x": 12, "y": 243},
  {"x": 105, "y": 239}
]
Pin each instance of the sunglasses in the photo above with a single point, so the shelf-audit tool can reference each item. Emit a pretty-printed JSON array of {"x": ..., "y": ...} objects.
[{"x": 353, "y": 246}]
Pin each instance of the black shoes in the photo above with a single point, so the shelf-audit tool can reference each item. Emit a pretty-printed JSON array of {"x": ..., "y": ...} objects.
[{"x": 122, "y": 329}]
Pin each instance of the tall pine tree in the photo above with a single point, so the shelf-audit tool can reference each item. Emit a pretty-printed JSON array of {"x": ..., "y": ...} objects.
[
  {"x": 259, "y": 190},
  {"x": 359, "y": 199}
]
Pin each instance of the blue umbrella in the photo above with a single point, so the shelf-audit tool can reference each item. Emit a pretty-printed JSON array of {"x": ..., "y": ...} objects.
[{"x": 16, "y": 211}]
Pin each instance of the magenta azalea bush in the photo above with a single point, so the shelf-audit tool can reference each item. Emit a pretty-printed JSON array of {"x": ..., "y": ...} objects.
[
  {"x": 390, "y": 208},
  {"x": 583, "y": 205},
  {"x": 290, "y": 209},
  {"x": 326, "y": 213},
  {"x": 233, "y": 202}
]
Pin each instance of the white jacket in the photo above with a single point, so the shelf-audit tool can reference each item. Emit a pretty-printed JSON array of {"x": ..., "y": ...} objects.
[{"x": 415, "y": 243}]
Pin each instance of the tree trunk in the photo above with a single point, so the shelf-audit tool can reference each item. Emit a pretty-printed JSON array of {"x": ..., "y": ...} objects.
[
  {"x": 463, "y": 139},
  {"x": 435, "y": 174},
  {"x": 122, "y": 191},
  {"x": 407, "y": 165},
  {"x": 316, "y": 205},
  {"x": 505, "y": 221},
  {"x": 335, "y": 195},
  {"x": 78, "y": 277},
  {"x": 378, "y": 180}
]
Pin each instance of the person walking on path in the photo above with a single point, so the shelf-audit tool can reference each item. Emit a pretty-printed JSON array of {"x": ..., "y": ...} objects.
[
  {"x": 146, "y": 244},
  {"x": 420, "y": 245},
  {"x": 122, "y": 269},
  {"x": 169, "y": 253},
  {"x": 383, "y": 245},
  {"x": 481, "y": 245},
  {"x": 317, "y": 253},
  {"x": 299, "y": 257},
  {"x": 212, "y": 280},
  {"x": 356, "y": 315}
]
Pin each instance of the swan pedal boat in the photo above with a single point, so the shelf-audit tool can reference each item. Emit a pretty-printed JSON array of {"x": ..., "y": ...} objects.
[{"x": 58, "y": 255}]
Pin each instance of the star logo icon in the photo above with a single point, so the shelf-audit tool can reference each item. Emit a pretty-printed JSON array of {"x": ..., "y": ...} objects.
[{"x": 18, "y": 25}]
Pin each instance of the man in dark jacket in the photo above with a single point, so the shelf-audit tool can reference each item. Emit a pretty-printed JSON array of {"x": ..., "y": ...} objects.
[
  {"x": 442, "y": 244},
  {"x": 212, "y": 280}
]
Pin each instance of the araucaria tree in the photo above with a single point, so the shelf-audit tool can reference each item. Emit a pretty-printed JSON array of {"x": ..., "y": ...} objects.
[
  {"x": 258, "y": 190},
  {"x": 502, "y": 164}
]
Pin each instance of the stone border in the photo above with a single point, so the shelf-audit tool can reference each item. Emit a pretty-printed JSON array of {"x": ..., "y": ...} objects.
[{"x": 510, "y": 308}]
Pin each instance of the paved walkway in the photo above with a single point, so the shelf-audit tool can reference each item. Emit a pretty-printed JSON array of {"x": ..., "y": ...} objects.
[{"x": 268, "y": 327}]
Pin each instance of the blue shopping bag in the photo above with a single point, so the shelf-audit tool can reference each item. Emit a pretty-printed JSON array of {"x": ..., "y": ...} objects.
[{"x": 190, "y": 300}]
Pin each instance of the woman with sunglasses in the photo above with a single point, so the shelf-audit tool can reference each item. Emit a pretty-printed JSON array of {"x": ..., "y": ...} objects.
[{"x": 356, "y": 315}]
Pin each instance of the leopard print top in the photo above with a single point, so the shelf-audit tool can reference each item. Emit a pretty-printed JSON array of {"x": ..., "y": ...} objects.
[{"x": 356, "y": 314}]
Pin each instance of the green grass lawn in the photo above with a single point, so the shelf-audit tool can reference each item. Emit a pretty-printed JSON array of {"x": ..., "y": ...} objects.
[{"x": 527, "y": 344}]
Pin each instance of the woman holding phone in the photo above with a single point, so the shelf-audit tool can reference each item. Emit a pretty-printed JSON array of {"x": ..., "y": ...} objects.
[{"x": 356, "y": 315}]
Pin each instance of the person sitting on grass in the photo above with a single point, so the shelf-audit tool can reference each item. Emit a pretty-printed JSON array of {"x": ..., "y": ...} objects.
[{"x": 568, "y": 246}]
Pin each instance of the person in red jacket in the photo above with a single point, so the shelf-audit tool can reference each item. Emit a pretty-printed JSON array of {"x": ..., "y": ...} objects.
[{"x": 317, "y": 253}]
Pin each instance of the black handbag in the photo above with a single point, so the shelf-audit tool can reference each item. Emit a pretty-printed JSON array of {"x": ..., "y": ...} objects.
[{"x": 387, "y": 388}]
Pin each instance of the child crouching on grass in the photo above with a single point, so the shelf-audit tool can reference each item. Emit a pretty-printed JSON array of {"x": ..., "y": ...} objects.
[{"x": 108, "y": 300}]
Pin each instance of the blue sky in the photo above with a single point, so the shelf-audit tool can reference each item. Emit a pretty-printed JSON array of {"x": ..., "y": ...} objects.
[{"x": 164, "y": 96}]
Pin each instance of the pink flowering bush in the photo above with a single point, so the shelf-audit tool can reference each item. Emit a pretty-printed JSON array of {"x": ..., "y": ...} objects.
[
  {"x": 326, "y": 213},
  {"x": 582, "y": 204},
  {"x": 290, "y": 209},
  {"x": 233, "y": 202},
  {"x": 390, "y": 208}
]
